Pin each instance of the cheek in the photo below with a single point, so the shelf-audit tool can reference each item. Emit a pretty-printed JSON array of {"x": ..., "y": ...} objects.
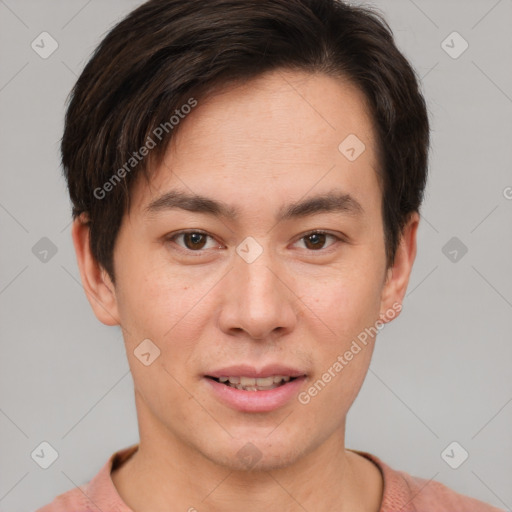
[
  {"x": 160, "y": 303},
  {"x": 345, "y": 301},
  {"x": 163, "y": 308},
  {"x": 344, "y": 312}
]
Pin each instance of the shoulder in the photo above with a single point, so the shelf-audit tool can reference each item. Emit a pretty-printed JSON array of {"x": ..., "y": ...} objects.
[
  {"x": 430, "y": 495},
  {"x": 98, "y": 493},
  {"x": 407, "y": 493},
  {"x": 81, "y": 499},
  {"x": 74, "y": 500}
]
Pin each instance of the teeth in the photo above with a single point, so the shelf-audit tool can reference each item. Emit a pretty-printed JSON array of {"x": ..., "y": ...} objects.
[
  {"x": 246, "y": 381},
  {"x": 254, "y": 388},
  {"x": 255, "y": 384}
]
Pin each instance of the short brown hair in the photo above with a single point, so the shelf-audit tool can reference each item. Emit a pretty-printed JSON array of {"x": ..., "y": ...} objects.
[{"x": 168, "y": 53}]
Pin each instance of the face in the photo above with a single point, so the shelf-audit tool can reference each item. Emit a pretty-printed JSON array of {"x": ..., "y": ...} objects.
[{"x": 280, "y": 273}]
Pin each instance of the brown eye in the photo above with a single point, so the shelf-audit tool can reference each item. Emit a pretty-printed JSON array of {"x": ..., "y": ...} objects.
[
  {"x": 193, "y": 241},
  {"x": 316, "y": 240}
]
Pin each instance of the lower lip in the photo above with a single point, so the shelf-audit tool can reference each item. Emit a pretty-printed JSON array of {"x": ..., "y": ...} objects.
[{"x": 256, "y": 401}]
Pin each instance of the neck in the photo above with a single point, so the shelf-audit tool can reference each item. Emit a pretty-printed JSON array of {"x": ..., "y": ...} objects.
[{"x": 166, "y": 471}]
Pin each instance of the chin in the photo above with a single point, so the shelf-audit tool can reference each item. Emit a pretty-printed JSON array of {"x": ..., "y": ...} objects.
[{"x": 258, "y": 454}]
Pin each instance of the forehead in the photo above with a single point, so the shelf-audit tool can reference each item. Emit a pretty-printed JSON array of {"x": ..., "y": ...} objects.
[{"x": 284, "y": 131}]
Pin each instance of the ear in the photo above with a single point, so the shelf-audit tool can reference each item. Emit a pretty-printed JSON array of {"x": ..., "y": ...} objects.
[
  {"x": 397, "y": 276},
  {"x": 96, "y": 282}
]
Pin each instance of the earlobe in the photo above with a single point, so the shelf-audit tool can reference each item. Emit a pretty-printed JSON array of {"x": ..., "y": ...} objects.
[
  {"x": 398, "y": 274},
  {"x": 96, "y": 282}
]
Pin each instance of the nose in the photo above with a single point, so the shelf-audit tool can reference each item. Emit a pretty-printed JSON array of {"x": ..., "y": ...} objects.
[{"x": 258, "y": 300}]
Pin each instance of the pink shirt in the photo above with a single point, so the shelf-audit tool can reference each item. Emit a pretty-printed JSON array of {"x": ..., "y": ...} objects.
[{"x": 402, "y": 492}]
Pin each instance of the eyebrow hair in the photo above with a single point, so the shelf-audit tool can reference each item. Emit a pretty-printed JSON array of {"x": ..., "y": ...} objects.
[{"x": 333, "y": 201}]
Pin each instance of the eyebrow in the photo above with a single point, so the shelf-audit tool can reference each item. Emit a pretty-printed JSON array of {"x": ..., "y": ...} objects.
[{"x": 331, "y": 202}]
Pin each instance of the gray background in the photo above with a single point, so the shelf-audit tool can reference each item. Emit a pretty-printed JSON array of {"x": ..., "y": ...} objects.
[{"x": 440, "y": 372}]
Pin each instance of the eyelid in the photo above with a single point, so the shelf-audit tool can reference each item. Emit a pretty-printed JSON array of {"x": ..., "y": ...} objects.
[
  {"x": 338, "y": 236},
  {"x": 172, "y": 236}
]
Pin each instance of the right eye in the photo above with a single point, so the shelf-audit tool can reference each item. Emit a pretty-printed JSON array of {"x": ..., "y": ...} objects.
[{"x": 193, "y": 240}]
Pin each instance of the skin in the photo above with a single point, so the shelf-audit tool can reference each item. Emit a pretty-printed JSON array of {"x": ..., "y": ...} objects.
[{"x": 257, "y": 147}]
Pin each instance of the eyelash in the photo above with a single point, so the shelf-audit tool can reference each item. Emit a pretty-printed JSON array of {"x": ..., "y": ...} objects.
[{"x": 199, "y": 252}]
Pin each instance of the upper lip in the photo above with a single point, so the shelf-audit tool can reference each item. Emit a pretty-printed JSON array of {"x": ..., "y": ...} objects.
[{"x": 244, "y": 370}]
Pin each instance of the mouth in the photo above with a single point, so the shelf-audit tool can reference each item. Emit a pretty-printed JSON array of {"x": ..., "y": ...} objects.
[
  {"x": 248, "y": 389},
  {"x": 254, "y": 383}
]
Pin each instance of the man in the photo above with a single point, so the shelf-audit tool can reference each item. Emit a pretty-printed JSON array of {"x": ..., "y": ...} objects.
[{"x": 246, "y": 178}]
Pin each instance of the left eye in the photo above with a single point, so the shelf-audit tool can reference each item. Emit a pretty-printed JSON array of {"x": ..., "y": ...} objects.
[
  {"x": 316, "y": 239},
  {"x": 195, "y": 241}
]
